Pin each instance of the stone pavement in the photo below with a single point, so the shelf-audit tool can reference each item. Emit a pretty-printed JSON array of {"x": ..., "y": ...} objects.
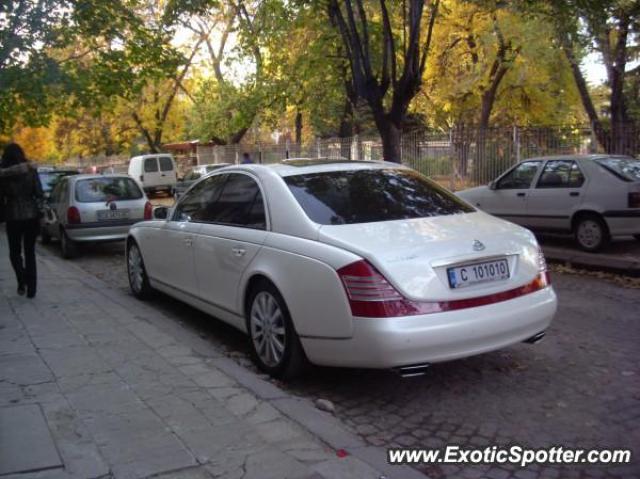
[{"x": 91, "y": 388}]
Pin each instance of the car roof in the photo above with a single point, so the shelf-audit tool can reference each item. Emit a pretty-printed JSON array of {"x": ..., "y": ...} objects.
[
  {"x": 578, "y": 157},
  {"x": 150, "y": 155},
  {"x": 91, "y": 176},
  {"x": 300, "y": 166},
  {"x": 209, "y": 165}
]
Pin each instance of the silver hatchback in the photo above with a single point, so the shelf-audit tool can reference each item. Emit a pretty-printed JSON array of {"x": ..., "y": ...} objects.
[{"x": 93, "y": 208}]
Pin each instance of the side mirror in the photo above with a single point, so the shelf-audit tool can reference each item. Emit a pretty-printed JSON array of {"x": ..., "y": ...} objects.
[
  {"x": 160, "y": 213},
  {"x": 493, "y": 185}
]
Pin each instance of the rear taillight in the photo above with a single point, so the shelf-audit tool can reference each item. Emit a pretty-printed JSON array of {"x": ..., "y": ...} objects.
[
  {"x": 542, "y": 267},
  {"x": 372, "y": 296},
  {"x": 363, "y": 283},
  {"x": 148, "y": 211},
  {"x": 634, "y": 199},
  {"x": 73, "y": 215}
]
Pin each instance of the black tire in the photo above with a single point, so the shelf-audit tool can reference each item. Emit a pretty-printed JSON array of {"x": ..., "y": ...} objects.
[
  {"x": 138, "y": 278},
  {"x": 591, "y": 232},
  {"x": 68, "y": 246},
  {"x": 292, "y": 360},
  {"x": 45, "y": 237}
]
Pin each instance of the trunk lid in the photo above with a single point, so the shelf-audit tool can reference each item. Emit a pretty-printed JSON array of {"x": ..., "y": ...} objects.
[{"x": 414, "y": 254}]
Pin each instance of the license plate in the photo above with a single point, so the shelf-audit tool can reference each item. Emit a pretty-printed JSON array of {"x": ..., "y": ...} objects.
[
  {"x": 113, "y": 214},
  {"x": 468, "y": 274}
]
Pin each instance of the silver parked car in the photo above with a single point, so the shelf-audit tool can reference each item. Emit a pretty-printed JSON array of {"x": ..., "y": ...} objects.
[
  {"x": 595, "y": 197},
  {"x": 194, "y": 174},
  {"x": 91, "y": 208}
]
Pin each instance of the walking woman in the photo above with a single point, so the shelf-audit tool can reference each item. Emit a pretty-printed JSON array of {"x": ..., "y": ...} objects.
[{"x": 21, "y": 196}]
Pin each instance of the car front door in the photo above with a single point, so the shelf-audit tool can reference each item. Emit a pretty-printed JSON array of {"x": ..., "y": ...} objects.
[
  {"x": 508, "y": 198},
  {"x": 232, "y": 234},
  {"x": 170, "y": 247},
  {"x": 557, "y": 194}
]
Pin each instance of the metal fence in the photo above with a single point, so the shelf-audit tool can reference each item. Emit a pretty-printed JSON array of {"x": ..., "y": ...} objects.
[{"x": 458, "y": 158}]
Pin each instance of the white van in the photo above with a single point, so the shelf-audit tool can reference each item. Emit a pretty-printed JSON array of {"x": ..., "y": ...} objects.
[{"x": 155, "y": 172}]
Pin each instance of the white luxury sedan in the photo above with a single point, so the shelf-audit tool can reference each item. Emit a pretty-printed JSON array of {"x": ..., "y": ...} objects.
[
  {"x": 595, "y": 197},
  {"x": 345, "y": 263}
]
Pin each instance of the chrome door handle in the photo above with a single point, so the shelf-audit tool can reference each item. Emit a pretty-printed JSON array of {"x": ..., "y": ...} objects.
[
  {"x": 239, "y": 252},
  {"x": 188, "y": 241}
]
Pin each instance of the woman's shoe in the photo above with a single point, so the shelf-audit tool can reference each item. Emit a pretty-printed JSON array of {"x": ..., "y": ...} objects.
[
  {"x": 21, "y": 289},
  {"x": 31, "y": 292}
]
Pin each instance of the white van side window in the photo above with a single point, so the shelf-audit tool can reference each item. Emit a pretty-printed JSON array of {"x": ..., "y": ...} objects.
[{"x": 150, "y": 165}]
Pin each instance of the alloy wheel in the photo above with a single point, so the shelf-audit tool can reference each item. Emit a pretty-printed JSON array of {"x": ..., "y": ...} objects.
[
  {"x": 136, "y": 269},
  {"x": 268, "y": 331}
]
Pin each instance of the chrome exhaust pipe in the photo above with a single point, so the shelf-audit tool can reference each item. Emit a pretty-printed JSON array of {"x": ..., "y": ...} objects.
[
  {"x": 536, "y": 338},
  {"x": 412, "y": 371}
]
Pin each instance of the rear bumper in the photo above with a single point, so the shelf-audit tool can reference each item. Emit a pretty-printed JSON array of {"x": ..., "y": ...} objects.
[
  {"x": 393, "y": 342},
  {"x": 97, "y": 233},
  {"x": 158, "y": 188}
]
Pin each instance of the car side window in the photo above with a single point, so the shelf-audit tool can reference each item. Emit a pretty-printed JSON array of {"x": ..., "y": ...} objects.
[
  {"x": 561, "y": 174},
  {"x": 196, "y": 204},
  {"x": 239, "y": 204},
  {"x": 55, "y": 192},
  {"x": 520, "y": 177},
  {"x": 62, "y": 189},
  {"x": 150, "y": 165}
]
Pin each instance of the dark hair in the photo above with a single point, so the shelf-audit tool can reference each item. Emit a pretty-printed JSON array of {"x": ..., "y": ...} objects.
[{"x": 12, "y": 155}]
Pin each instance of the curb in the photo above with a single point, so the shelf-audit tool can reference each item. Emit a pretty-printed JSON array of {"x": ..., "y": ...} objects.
[
  {"x": 628, "y": 266},
  {"x": 324, "y": 426}
]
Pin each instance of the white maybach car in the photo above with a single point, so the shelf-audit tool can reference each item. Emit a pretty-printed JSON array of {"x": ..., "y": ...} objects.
[{"x": 345, "y": 263}]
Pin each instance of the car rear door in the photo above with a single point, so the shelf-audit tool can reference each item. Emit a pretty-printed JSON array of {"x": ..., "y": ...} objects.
[
  {"x": 557, "y": 194},
  {"x": 150, "y": 172},
  {"x": 508, "y": 198},
  {"x": 232, "y": 233},
  {"x": 167, "y": 173}
]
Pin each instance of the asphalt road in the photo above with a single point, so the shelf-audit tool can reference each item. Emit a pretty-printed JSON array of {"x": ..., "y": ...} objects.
[{"x": 579, "y": 388}]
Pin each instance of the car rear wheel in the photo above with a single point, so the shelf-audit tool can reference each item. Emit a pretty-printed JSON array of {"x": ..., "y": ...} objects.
[
  {"x": 138, "y": 279},
  {"x": 68, "y": 246},
  {"x": 275, "y": 345},
  {"x": 591, "y": 232}
]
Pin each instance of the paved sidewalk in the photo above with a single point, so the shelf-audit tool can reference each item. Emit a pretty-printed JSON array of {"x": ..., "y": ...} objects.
[{"x": 91, "y": 388}]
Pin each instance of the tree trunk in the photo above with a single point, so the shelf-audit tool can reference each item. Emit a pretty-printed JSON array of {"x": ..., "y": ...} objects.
[
  {"x": 298, "y": 128},
  {"x": 345, "y": 130},
  {"x": 596, "y": 125},
  {"x": 391, "y": 142}
]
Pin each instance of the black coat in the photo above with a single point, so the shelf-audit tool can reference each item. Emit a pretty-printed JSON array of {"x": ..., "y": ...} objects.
[{"x": 20, "y": 193}]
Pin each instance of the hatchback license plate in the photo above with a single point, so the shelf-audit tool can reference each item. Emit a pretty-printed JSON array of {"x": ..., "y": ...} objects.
[
  {"x": 113, "y": 214},
  {"x": 468, "y": 274}
]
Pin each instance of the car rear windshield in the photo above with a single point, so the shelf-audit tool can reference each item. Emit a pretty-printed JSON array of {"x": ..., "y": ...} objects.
[
  {"x": 627, "y": 169},
  {"x": 107, "y": 189},
  {"x": 366, "y": 196}
]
